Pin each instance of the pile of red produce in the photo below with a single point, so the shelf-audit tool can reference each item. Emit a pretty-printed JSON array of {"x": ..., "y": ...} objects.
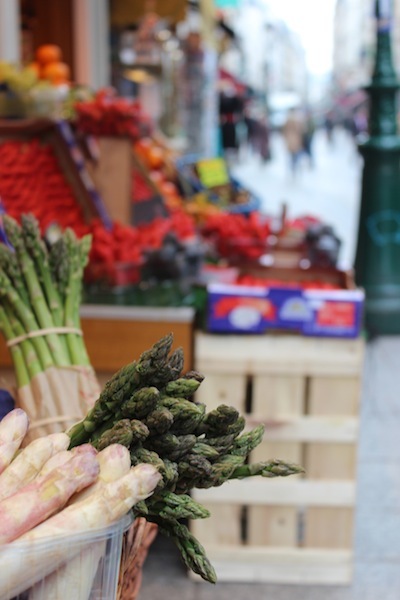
[
  {"x": 125, "y": 243},
  {"x": 237, "y": 236},
  {"x": 251, "y": 280},
  {"x": 110, "y": 115},
  {"x": 31, "y": 182}
]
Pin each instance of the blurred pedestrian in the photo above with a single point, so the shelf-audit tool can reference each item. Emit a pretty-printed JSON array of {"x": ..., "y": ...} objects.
[
  {"x": 329, "y": 126},
  {"x": 258, "y": 134},
  {"x": 308, "y": 135},
  {"x": 293, "y": 134},
  {"x": 230, "y": 113}
]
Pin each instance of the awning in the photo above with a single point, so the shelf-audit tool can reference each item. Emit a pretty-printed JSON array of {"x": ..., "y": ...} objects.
[{"x": 353, "y": 99}]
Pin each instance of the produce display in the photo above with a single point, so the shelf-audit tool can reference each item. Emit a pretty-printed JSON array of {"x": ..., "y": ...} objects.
[
  {"x": 39, "y": 88},
  {"x": 48, "y": 492},
  {"x": 149, "y": 406}
]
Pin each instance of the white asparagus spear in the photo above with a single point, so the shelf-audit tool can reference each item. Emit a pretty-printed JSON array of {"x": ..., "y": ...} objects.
[
  {"x": 75, "y": 578},
  {"x": 29, "y": 461},
  {"x": 98, "y": 510},
  {"x": 114, "y": 462},
  {"x": 13, "y": 428},
  {"x": 38, "y": 500},
  {"x": 62, "y": 457}
]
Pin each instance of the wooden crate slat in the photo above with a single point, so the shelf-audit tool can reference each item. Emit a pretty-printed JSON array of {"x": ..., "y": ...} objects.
[
  {"x": 333, "y": 526},
  {"x": 273, "y": 396},
  {"x": 275, "y": 354},
  {"x": 216, "y": 390},
  {"x": 215, "y": 530},
  {"x": 223, "y": 389},
  {"x": 285, "y": 492},
  {"x": 341, "y": 430},
  {"x": 273, "y": 526},
  {"x": 281, "y": 565},
  {"x": 331, "y": 396}
]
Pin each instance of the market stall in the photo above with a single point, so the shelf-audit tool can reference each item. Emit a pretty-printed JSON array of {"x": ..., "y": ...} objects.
[{"x": 127, "y": 240}]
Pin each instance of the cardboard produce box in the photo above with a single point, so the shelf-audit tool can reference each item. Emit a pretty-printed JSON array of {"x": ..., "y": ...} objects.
[{"x": 310, "y": 302}]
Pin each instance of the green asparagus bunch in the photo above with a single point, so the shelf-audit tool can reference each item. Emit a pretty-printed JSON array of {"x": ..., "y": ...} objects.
[
  {"x": 35, "y": 295},
  {"x": 149, "y": 407}
]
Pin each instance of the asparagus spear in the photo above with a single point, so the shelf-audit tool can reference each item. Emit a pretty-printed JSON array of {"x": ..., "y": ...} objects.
[
  {"x": 27, "y": 318},
  {"x": 272, "y": 468},
  {"x": 192, "y": 552},
  {"x": 9, "y": 264},
  {"x": 31, "y": 360},
  {"x": 244, "y": 444},
  {"x": 182, "y": 388},
  {"x": 168, "y": 505},
  {"x": 59, "y": 266},
  {"x": 13, "y": 428},
  {"x": 29, "y": 461},
  {"x": 77, "y": 252},
  {"x": 38, "y": 252},
  {"x": 21, "y": 371},
  {"x": 36, "y": 501},
  {"x": 42, "y": 312}
]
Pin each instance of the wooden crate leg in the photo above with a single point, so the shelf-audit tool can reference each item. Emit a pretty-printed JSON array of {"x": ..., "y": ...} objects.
[
  {"x": 331, "y": 527},
  {"x": 275, "y": 397}
]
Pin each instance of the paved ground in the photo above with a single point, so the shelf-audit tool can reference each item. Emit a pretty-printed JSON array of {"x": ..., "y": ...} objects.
[{"x": 331, "y": 190}]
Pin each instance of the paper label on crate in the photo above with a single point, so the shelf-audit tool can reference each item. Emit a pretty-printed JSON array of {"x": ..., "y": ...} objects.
[
  {"x": 337, "y": 314},
  {"x": 295, "y": 309},
  {"x": 245, "y": 317},
  {"x": 212, "y": 172}
]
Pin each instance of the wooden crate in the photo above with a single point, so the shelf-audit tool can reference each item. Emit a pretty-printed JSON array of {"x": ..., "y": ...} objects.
[{"x": 306, "y": 391}]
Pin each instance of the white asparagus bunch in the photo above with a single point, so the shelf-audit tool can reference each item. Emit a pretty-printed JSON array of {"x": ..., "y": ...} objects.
[
  {"x": 105, "y": 506},
  {"x": 49, "y": 492}
]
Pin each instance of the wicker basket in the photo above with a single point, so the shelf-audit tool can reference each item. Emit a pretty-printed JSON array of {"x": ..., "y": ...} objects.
[{"x": 135, "y": 546}]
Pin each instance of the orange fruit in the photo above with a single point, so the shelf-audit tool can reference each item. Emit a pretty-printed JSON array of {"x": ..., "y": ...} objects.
[
  {"x": 48, "y": 53},
  {"x": 168, "y": 189},
  {"x": 57, "y": 72},
  {"x": 155, "y": 157}
]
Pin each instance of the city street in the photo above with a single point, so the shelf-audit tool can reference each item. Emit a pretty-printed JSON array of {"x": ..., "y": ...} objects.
[{"x": 330, "y": 189}]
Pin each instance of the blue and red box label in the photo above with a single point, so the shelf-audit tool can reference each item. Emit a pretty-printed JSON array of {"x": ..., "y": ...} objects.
[{"x": 324, "y": 313}]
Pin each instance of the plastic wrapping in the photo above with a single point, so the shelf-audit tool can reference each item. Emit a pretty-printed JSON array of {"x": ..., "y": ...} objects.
[{"x": 82, "y": 566}]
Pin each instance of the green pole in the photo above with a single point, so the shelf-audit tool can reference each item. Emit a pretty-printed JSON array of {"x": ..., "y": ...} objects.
[{"x": 377, "y": 263}]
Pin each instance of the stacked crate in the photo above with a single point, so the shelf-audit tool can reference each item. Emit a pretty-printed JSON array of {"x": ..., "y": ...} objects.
[{"x": 306, "y": 391}]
